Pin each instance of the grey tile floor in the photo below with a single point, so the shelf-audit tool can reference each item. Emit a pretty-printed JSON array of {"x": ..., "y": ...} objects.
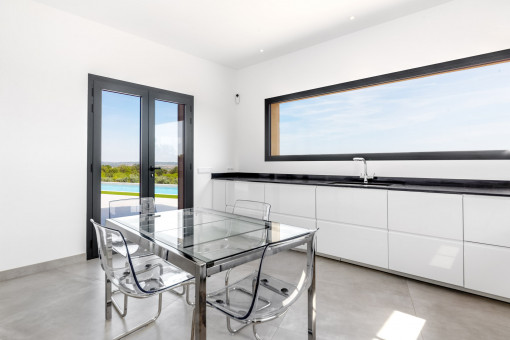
[{"x": 353, "y": 303}]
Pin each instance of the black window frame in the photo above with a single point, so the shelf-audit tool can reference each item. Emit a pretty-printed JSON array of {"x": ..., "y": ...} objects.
[
  {"x": 95, "y": 86},
  {"x": 449, "y": 66}
]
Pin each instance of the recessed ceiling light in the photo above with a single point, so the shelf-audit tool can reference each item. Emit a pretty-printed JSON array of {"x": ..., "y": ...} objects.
[
  {"x": 261, "y": 51},
  {"x": 352, "y": 17}
]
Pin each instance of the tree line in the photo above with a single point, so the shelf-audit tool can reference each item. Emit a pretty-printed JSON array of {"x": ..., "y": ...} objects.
[{"x": 131, "y": 174}]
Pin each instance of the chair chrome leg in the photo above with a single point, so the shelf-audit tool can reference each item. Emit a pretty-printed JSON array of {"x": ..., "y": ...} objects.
[
  {"x": 188, "y": 301},
  {"x": 107, "y": 298},
  {"x": 193, "y": 324},
  {"x": 227, "y": 277},
  {"x": 232, "y": 330},
  {"x": 116, "y": 305},
  {"x": 177, "y": 293},
  {"x": 185, "y": 290},
  {"x": 255, "y": 333},
  {"x": 146, "y": 323}
]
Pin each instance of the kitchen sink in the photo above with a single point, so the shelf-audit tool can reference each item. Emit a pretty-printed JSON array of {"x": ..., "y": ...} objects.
[{"x": 361, "y": 184}]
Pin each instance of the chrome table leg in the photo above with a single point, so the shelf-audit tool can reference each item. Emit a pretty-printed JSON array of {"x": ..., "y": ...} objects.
[
  {"x": 312, "y": 312},
  {"x": 199, "y": 322}
]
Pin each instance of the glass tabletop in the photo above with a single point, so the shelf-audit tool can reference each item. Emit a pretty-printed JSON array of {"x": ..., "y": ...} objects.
[{"x": 209, "y": 235}]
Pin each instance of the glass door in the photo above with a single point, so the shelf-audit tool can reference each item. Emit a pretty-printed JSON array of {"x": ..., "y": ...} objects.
[
  {"x": 166, "y": 155},
  {"x": 140, "y": 145},
  {"x": 121, "y": 117}
]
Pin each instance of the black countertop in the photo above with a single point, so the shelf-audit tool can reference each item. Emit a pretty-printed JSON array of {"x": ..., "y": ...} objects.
[{"x": 438, "y": 185}]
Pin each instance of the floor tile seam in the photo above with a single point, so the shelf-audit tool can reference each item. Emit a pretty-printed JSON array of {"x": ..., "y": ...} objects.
[
  {"x": 414, "y": 307},
  {"x": 73, "y": 278}
]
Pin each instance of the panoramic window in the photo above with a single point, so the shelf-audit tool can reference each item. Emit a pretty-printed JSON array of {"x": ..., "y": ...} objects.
[{"x": 458, "y": 113}]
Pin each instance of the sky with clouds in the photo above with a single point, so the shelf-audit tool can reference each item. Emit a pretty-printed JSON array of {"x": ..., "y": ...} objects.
[
  {"x": 121, "y": 129},
  {"x": 456, "y": 111}
]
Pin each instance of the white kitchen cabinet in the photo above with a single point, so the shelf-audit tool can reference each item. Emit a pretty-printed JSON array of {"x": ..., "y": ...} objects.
[
  {"x": 425, "y": 213},
  {"x": 487, "y": 220},
  {"x": 361, "y": 244},
  {"x": 429, "y": 257},
  {"x": 219, "y": 195},
  {"x": 486, "y": 268},
  {"x": 292, "y": 200},
  {"x": 461, "y": 240},
  {"x": 238, "y": 190},
  {"x": 303, "y": 222},
  {"x": 358, "y": 206}
]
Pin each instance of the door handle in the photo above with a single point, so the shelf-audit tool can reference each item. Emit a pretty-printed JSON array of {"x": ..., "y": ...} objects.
[{"x": 152, "y": 168}]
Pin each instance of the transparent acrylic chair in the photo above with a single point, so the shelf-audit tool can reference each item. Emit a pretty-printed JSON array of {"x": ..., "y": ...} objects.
[
  {"x": 140, "y": 277},
  {"x": 131, "y": 207},
  {"x": 254, "y": 209},
  {"x": 279, "y": 279}
]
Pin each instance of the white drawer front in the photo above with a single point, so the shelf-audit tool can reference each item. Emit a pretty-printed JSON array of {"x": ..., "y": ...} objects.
[
  {"x": 487, "y": 220},
  {"x": 428, "y": 257},
  {"x": 427, "y": 214},
  {"x": 297, "y": 200},
  {"x": 303, "y": 222},
  {"x": 486, "y": 269},
  {"x": 360, "y": 244},
  {"x": 237, "y": 190},
  {"x": 363, "y": 207},
  {"x": 219, "y": 195}
]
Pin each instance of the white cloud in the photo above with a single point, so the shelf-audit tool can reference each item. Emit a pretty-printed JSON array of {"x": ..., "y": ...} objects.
[{"x": 167, "y": 142}]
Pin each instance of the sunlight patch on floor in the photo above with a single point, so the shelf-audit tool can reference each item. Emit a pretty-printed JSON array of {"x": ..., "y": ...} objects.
[{"x": 401, "y": 326}]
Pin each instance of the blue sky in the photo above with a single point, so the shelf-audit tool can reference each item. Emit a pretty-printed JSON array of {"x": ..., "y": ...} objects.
[
  {"x": 121, "y": 129},
  {"x": 465, "y": 110}
]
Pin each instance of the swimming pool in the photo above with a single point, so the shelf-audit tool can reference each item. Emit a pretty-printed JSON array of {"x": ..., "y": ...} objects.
[{"x": 165, "y": 189}]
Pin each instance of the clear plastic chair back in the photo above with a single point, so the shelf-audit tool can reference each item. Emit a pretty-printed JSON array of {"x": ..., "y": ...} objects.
[
  {"x": 281, "y": 276},
  {"x": 135, "y": 276},
  {"x": 132, "y": 206},
  {"x": 254, "y": 209}
]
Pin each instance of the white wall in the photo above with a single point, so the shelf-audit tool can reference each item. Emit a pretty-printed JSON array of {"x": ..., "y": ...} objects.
[
  {"x": 45, "y": 57},
  {"x": 454, "y": 30}
]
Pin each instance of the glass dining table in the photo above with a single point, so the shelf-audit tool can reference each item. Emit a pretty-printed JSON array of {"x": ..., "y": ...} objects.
[{"x": 204, "y": 242}]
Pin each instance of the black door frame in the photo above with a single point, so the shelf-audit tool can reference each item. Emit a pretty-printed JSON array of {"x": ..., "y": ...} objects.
[{"x": 96, "y": 84}]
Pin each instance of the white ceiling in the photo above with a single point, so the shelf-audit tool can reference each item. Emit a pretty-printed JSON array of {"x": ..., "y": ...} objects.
[{"x": 232, "y": 32}]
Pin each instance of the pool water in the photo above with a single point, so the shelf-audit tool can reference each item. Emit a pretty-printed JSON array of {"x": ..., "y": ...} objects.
[{"x": 135, "y": 188}]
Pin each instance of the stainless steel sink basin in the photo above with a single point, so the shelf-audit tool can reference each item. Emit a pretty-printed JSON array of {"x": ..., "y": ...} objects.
[{"x": 361, "y": 184}]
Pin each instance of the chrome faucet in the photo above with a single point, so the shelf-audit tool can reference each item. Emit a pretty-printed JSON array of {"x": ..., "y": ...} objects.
[{"x": 364, "y": 175}]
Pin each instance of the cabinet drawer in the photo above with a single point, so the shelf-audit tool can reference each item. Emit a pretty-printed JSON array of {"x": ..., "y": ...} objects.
[
  {"x": 426, "y": 214},
  {"x": 303, "y": 222},
  {"x": 251, "y": 191},
  {"x": 486, "y": 269},
  {"x": 360, "y": 244},
  {"x": 296, "y": 200},
  {"x": 428, "y": 257},
  {"x": 363, "y": 207},
  {"x": 487, "y": 220},
  {"x": 218, "y": 195}
]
